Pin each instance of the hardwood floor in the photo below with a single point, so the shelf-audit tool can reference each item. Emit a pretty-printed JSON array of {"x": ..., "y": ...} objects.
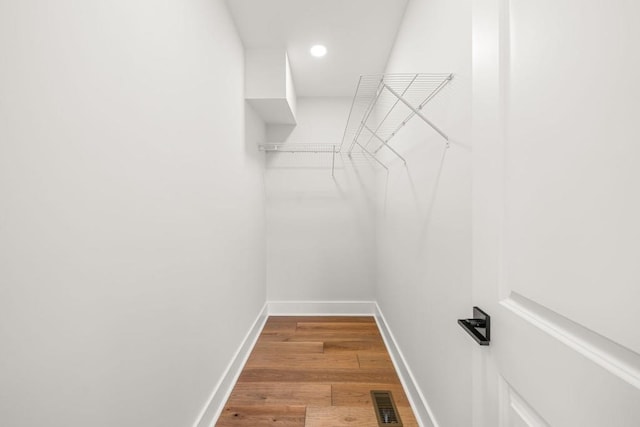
[{"x": 315, "y": 372}]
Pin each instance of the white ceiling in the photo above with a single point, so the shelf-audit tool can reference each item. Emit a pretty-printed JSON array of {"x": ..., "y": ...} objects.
[{"x": 358, "y": 35}]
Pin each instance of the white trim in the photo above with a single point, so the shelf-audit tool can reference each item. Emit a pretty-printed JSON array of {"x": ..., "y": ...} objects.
[
  {"x": 222, "y": 390},
  {"x": 420, "y": 406},
  {"x": 322, "y": 308},
  {"x": 615, "y": 358}
]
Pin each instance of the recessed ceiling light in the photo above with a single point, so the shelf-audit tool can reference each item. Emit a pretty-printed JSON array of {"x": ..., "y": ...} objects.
[{"x": 318, "y": 51}]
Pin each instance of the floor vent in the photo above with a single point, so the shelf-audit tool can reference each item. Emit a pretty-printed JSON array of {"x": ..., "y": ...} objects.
[{"x": 385, "y": 408}]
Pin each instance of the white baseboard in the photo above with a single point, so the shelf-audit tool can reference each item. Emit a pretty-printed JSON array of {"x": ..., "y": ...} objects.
[
  {"x": 222, "y": 390},
  {"x": 322, "y": 308},
  {"x": 421, "y": 408},
  {"x": 209, "y": 415}
]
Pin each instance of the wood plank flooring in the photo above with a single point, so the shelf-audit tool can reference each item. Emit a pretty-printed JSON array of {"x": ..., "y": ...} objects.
[{"x": 315, "y": 372}]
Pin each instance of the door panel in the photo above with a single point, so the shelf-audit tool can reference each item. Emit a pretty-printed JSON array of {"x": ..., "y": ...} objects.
[
  {"x": 556, "y": 207},
  {"x": 572, "y": 153},
  {"x": 516, "y": 412},
  {"x": 556, "y": 381}
]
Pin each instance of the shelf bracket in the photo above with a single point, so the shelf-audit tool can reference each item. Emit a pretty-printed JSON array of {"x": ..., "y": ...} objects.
[
  {"x": 389, "y": 113},
  {"x": 416, "y": 111},
  {"x": 333, "y": 162},
  {"x": 372, "y": 156},
  {"x": 384, "y": 143}
]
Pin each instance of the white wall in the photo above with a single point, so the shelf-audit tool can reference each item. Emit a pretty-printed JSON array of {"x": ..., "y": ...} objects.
[
  {"x": 131, "y": 210},
  {"x": 320, "y": 236},
  {"x": 424, "y": 230}
]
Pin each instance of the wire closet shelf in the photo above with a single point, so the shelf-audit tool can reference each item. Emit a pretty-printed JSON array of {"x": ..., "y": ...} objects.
[
  {"x": 383, "y": 104},
  {"x": 295, "y": 147}
]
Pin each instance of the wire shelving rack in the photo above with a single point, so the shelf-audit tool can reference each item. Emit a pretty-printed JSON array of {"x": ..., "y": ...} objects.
[{"x": 381, "y": 107}]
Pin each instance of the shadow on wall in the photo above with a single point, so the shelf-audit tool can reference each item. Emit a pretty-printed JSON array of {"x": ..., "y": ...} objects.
[
  {"x": 254, "y": 132},
  {"x": 311, "y": 173},
  {"x": 302, "y": 182},
  {"x": 409, "y": 193},
  {"x": 279, "y": 133},
  {"x": 434, "y": 193},
  {"x": 320, "y": 227}
]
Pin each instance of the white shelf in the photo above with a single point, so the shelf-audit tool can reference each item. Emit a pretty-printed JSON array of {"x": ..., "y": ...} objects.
[
  {"x": 292, "y": 147},
  {"x": 383, "y": 104}
]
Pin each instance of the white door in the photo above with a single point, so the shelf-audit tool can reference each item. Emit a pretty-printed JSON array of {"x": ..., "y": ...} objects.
[{"x": 557, "y": 212}]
